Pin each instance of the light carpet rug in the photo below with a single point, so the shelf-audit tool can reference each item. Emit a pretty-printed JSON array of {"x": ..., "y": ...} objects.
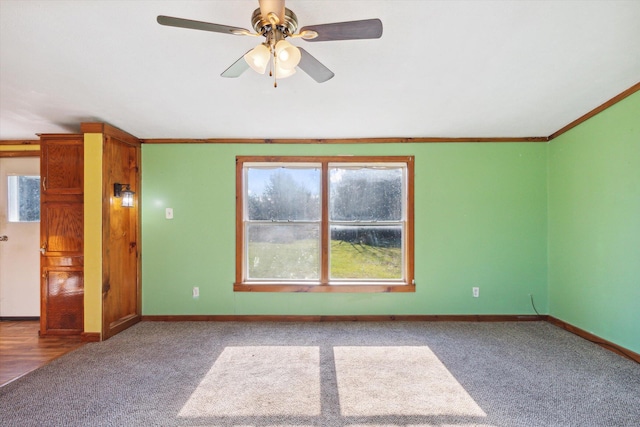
[{"x": 358, "y": 374}]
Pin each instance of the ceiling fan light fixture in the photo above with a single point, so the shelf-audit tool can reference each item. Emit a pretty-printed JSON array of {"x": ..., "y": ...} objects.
[
  {"x": 273, "y": 21},
  {"x": 275, "y": 7},
  {"x": 258, "y": 58},
  {"x": 283, "y": 73},
  {"x": 288, "y": 55}
]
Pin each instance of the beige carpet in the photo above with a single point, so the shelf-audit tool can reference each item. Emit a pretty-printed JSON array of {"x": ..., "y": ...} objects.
[
  {"x": 259, "y": 381},
  {"x": 372, "y": 381},
  {"x": 355, "y": 374},
  {"x": 398, "y": 381}
]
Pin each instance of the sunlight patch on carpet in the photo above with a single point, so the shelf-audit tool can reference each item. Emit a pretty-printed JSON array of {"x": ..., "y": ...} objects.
[
  {"x": 418, "y": 425},
  {"x": 259, "y": 381},
  {"x": 398, "y": 381}
]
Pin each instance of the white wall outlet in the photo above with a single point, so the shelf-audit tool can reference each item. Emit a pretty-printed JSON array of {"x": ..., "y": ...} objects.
[
  {"x": 476, "y": 292},
  {"x": 168, "y": 213},
  {"x": 196, "y": 292}
]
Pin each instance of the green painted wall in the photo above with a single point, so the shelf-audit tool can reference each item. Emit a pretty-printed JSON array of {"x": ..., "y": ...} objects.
[
  {"x": 594, "y": 225},
  {"x": 480, "y": 210}
]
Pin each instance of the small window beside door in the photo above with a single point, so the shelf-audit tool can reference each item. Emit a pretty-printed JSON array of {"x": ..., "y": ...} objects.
[{"x": 24, "y": 198}]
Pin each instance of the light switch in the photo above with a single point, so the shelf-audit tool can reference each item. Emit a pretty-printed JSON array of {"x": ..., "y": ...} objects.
[{"x": 168, "y": 213}]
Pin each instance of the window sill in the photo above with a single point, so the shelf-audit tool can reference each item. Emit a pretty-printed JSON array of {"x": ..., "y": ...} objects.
[{"x": 317, "y": 288}]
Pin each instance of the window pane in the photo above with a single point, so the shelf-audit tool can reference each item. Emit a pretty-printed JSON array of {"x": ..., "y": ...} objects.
[
  {"x": 279, "y": 251},
  {"x": 24, "y": 198},
  {"x": 366, "y": 252},
  {"x": 283, "y": 194},
  {"x": 365, "y": 194}
]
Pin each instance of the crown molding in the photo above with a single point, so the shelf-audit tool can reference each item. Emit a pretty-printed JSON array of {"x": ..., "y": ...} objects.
[
  {"x": 633, "y": 89},
  {"x": 392, "y": 140}
]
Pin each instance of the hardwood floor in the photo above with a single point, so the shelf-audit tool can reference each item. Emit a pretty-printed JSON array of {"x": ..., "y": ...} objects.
[{"x": 22, "y": 350}]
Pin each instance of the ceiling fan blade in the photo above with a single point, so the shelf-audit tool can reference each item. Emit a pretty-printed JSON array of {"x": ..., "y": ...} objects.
[
  {"x": 352, "y": 30},
  {"x": 199, "y": 25},
  {"x": 237, "y": 68},
  {"x": 313, "y": 67}
]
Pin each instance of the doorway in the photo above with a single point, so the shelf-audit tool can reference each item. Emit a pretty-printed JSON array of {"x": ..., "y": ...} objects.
[{"x": 19, "y": 237}]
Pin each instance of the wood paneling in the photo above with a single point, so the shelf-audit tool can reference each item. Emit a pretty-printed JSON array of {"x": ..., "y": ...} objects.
[
  {"x": 121, "y": 290},
  {"x": 62, "y": 224},
  {"x": 22, "y": 351},
  {"x": 62, "y": 164},
  {"x": 64, "y": 300},
  {"x": 62, "y": 234},
  {"x": 110, "y": 131}
]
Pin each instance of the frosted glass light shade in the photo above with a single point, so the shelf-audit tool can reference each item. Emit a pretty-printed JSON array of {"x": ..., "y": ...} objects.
[
  {"x": 258, "y": 58},
  {"x": 127, "y": 199},
  {"x": 282, "y": 73},
  {"x": 123, "y": 191},
  {"x": 288, "y": 55}
]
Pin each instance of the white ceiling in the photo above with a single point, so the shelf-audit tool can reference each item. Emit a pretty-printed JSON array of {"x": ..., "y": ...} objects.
[{"x": 441, "y": 69}]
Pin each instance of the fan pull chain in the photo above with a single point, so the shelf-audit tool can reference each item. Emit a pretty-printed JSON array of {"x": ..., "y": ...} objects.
[
  {"x": 271, "y": 67},
  {"x": 275, "y": 72}
]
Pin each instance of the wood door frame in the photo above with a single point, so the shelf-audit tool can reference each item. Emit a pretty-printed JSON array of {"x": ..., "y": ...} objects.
[
  {"x": 19, "y": 153},
  {"x": 20, "y": 148}
]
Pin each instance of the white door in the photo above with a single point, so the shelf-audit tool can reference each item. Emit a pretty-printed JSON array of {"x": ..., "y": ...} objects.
[{"x": 19, "y": 236}]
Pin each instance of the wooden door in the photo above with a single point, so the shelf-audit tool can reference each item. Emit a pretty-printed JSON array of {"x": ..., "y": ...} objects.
[
  {"x": 121, "y": 296},
  {"x": 62, "y": 235}
]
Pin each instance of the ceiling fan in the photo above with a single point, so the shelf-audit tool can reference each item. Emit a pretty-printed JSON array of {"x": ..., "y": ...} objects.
[{"x": 276, "y": 23}]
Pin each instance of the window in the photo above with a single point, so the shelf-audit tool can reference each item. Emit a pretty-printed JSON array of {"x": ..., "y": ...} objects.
[
  {"x": 324, "y": 224},
  {"x": 24, "y": 198}
]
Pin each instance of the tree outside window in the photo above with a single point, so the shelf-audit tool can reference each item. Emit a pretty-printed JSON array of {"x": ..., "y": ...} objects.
[{"x": 324, "y": 224}]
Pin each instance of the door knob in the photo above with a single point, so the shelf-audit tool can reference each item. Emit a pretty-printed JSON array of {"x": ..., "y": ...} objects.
[{"x": 4, "y": 238}]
